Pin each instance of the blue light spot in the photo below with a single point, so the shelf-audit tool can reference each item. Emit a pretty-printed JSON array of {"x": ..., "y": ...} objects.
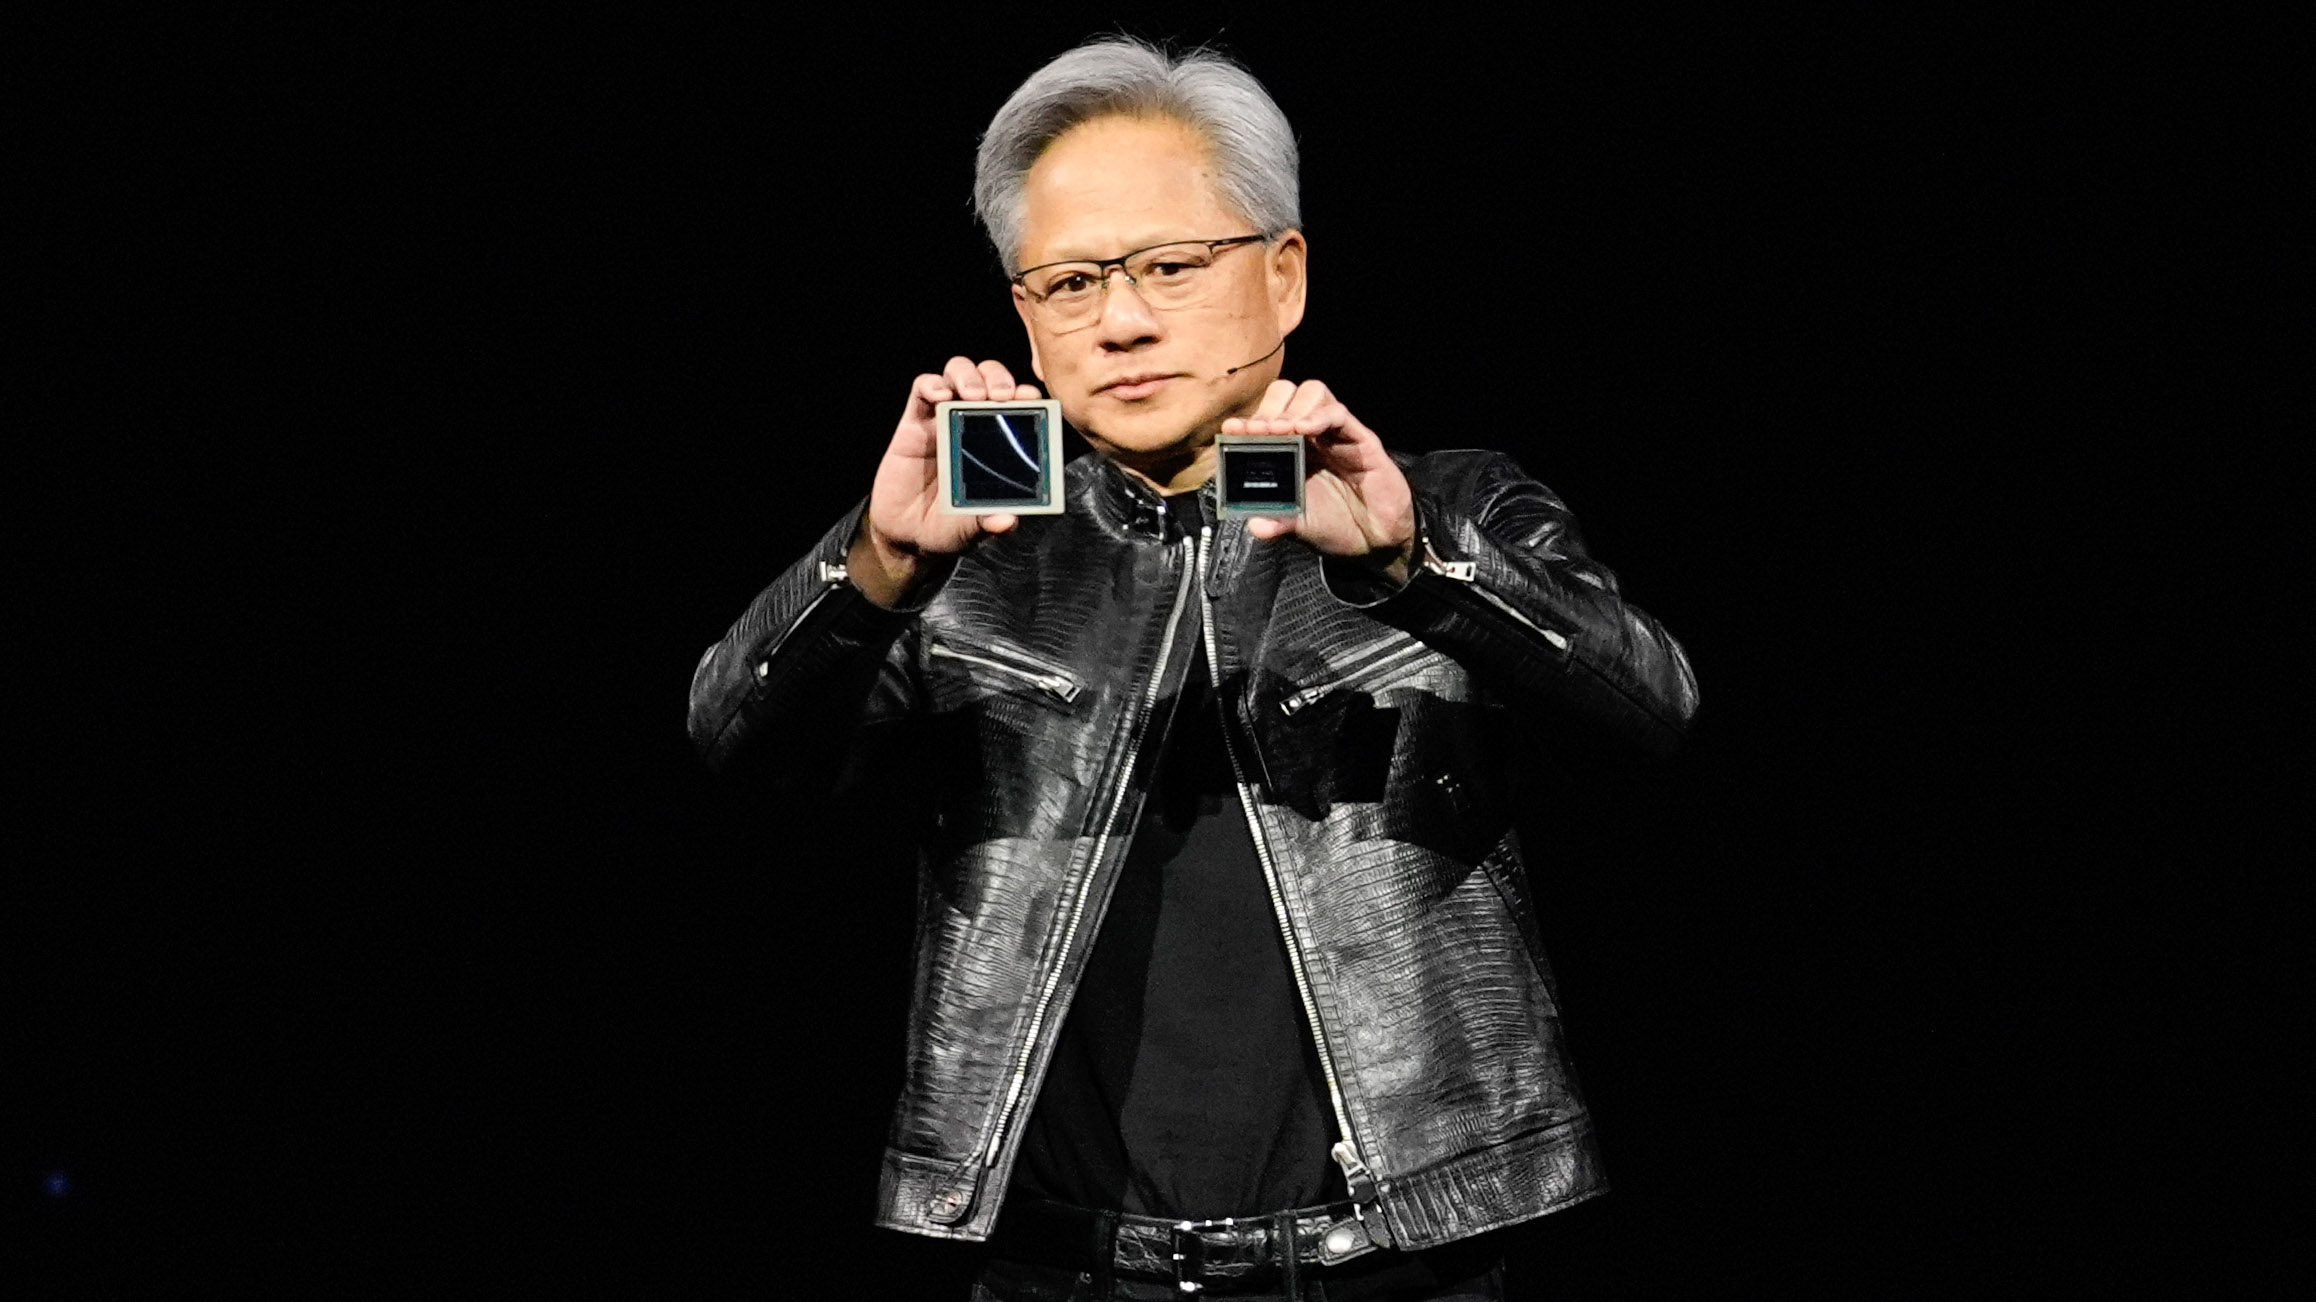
[{"x": 57, "y": 1185}]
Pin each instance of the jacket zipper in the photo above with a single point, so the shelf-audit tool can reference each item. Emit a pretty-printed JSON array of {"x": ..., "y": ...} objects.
[
  {"x": 1308, "y": 695},
  {"x": 1050, "y": 680},
  {"x": 1467, "y": 573},
  {"x": 1016, "y": 1087},
  {"x": 1356, "y": 1174},
  {"x": 832, "y": 577}
]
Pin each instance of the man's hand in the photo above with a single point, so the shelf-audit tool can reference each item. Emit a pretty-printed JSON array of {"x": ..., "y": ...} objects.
[
  {"x": 1356, "y": 504},
  {"x": 905, "y": 536}
]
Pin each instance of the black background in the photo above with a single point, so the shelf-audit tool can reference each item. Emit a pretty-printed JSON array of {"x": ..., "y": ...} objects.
[{"x": 408, "y": 400}]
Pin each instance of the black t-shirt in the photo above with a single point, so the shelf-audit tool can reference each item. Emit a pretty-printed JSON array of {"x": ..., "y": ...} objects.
[{"x": 1186, "y": 1082}]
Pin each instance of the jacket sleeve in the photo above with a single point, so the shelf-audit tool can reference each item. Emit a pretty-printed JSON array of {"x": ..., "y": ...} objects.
[
  {"x": 1505, "y": 588},
  {"x": 810, "y": 666}
]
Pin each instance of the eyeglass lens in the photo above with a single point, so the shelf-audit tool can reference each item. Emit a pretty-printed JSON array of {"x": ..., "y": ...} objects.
[{"x": 1170, "y": 276}]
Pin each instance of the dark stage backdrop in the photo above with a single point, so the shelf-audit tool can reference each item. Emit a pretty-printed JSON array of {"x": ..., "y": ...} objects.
[{"x": 418, "y": 396}]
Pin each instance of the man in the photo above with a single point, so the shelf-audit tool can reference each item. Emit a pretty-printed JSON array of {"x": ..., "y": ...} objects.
[{"x": 1221, "y": 911}]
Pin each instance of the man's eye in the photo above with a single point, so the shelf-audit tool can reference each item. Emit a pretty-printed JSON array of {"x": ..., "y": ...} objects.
[
  {"x": 1171, "y": 270},
  {"x": 1077, "y": 282}
]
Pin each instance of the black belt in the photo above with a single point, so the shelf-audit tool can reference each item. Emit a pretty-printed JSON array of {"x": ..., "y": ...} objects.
[{"x": 1232, "y": 1252}]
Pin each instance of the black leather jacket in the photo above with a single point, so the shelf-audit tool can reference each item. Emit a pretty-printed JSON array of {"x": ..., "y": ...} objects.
[{"x": 1032, "y": 687}]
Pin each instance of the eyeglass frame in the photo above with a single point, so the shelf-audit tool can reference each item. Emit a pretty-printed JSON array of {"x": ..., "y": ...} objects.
[{"x": 1103, "y": 265}]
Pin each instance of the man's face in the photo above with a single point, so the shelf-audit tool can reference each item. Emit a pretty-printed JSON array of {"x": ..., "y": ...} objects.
[{"x": 1150, "y": 387}]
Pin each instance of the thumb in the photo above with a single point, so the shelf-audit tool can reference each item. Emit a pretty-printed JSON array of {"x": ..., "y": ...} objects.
[{"x": 1270, "y": 526}]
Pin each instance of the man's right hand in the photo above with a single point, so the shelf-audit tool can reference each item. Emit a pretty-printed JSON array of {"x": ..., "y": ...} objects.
[{"x": 905, "y": 537}]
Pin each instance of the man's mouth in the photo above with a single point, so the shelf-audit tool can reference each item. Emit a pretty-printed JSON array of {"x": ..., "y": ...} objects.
[{"x": 1130, "y": 387}]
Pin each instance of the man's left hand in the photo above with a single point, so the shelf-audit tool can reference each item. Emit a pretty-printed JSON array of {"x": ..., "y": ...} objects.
[{"x": 1356, "y": 504}]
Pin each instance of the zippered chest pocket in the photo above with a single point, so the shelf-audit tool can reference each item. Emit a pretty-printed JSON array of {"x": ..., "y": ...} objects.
[
  {"x": 958, "y": 675},
  {"x": 1370, "y": 667},
  {"x": 1336, "y": 731}
]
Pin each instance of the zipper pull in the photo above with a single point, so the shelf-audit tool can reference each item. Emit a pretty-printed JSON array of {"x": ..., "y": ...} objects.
[
  {"x": 1355, "y": 1172},
  {"x": 1364, "y": 1230},
  {"x": 1362, "y": 1185}
]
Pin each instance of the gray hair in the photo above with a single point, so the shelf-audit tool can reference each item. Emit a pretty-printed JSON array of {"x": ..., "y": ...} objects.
[{"x": 1254, "y": 149}]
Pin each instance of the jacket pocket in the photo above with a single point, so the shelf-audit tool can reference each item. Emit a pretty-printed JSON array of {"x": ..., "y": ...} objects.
[
  {"x": 1009, "y": 670},
  {"x": 1370, "y": 663},
  {"x": 1509, "y": 876}
]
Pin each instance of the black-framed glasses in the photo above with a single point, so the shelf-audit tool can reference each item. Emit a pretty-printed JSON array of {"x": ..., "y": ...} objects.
[{"x": 1069, "y": 295}]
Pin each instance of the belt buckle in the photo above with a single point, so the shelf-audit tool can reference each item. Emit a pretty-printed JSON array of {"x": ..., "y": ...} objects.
[{"x": 1190, "y": 1252}]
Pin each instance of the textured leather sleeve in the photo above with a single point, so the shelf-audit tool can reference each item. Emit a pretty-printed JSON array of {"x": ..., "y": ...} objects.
[
  {"x": 811, "y": 663},
  {"x": 1505, "y": 588}
]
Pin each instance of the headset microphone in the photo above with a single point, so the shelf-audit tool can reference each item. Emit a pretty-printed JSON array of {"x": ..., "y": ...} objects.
[{"x": 1259, "y": 360}]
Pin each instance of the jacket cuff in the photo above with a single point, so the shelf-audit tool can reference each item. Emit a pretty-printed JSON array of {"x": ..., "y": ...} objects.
[
  {"x": 1513, "y": 625},
  {"x": 933, "y": 573},
  {"x": 1437, "y": 595},
  {"x": 1355, "y": 583},
  {"x": 811, "y": 623},
  {"x": 837, "y": 621}
]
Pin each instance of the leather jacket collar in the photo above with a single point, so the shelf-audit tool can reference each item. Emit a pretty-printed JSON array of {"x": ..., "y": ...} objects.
[
  {"x": 1123, "y": 503},
  {"x": 1127, "y": 507}
]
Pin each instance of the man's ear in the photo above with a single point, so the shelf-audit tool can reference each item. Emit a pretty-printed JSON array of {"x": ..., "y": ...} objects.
[
  {"x": 1021, "y": 308},
  {"x": 1289, "y": 270}
]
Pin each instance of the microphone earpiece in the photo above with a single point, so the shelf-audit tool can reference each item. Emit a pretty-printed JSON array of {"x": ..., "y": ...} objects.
[{"x": 1259, "y": 360}]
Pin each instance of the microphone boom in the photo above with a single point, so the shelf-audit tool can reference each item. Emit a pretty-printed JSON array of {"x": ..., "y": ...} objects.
[{"x": 1259, "y": 360}]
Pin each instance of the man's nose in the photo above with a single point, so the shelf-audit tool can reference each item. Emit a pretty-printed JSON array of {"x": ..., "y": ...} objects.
[{"x": 1126, "y": 316}]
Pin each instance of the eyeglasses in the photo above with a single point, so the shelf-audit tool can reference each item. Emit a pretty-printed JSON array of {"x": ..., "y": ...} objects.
[{"x": 1068, "y": 295}]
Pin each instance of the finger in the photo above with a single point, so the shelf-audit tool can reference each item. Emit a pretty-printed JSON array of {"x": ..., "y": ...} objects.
[
  {"x": 966, "y": 379},
  {"x": 1276, "y": 395},
  {"x": 1270, "y": 526},
  {"x": 924, "y": 391},
  {"x": 1345, "y": 446},
  {"x": 999, "y": 522},
  {"x": 997, "y": 380},
  {"x": 1307, "y": 425},
  {"x": 1334, "y": 417},
  {"x": 1309, "y": 396},
  {"x": 1026, "y": 393}
]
